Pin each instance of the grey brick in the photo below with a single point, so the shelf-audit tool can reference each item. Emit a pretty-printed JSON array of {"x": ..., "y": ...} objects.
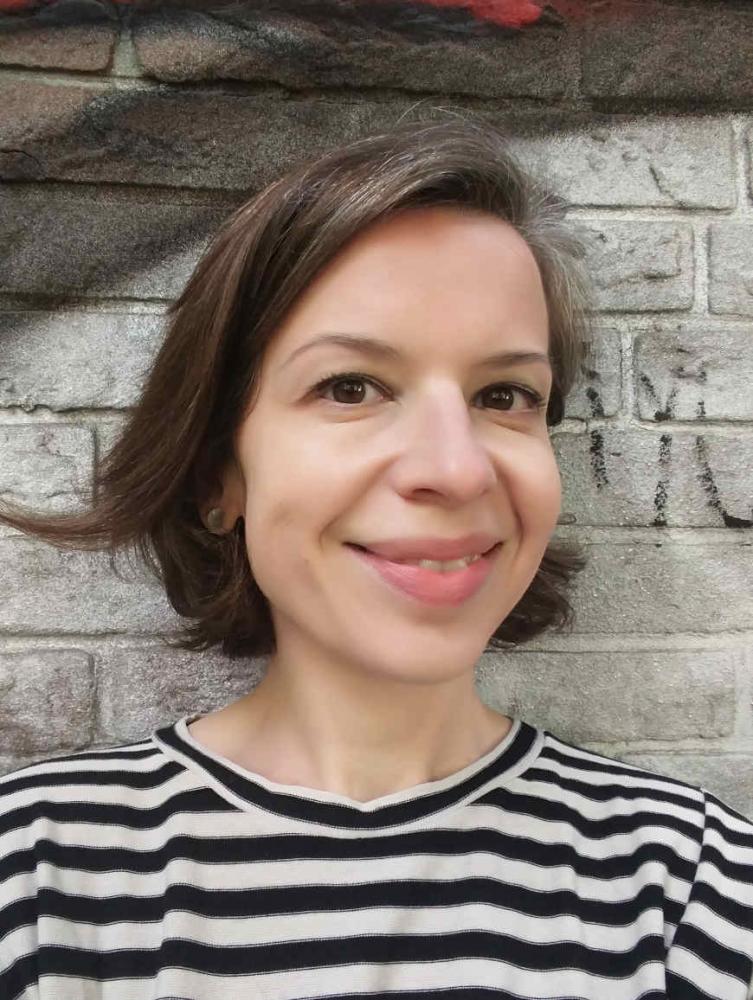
[
  {"x": 748, "y": 140},
  {"x": 640, "y": 266},
  {"x": 46, "y": 701},
  {"x": 201, "y": 139},
  {"x": 69, "y": 35},
  {"x": 615, "y": 695},
  {"x": 731, "y": 268},
  {"x": 47, "y": 466},
  {"x": 598, "y": 390},
  {"x": 10, "y": 762},
  {"x": 68, "y": 360},
  {"x": 729, "y": 776},
  {"x": 142, "y": 688},
  {"x": 685, "y": 374},
  {"x": 665, "y": 587},
  {"x": 646, "y": 161},
  {"x": 193, "y": 139},
  {"x": 613, "y": 476},
  {"x": 83, "y": 244},
  {"x": 650, "y": 52},
  {"x": 356, "y": 45},
  {"x": 48, "y": 590}
]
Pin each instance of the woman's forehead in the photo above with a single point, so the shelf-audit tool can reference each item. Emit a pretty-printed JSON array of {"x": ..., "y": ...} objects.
[{"x": 441, "y": 278}]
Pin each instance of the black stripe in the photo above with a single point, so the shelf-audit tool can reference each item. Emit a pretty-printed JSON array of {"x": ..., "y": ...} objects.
[
  {"x": 595, "y": 829},
  {"x": 77, "y": 811},
  {"x": 609, "y": 765},
  {"x": 18, "y": 977},
  {"x": 408, "y": 894},
  {"x": 60, "y": 779},
  {"x": 238, "y": 850},
  {"x": 714, "y": 953},
  {"x": 321, "y": 952},
  {"x": 604, "y": 793}
]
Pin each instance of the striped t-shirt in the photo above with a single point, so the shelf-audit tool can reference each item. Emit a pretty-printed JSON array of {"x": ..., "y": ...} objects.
[{"x": 159, "y": 870}]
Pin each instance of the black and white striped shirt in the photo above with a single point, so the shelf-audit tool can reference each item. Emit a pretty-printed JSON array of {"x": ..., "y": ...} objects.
[{"x": 158, "y": 870}]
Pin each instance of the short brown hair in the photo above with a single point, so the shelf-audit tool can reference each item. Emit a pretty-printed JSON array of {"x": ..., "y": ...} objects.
[{"x": 148, "y": 488}]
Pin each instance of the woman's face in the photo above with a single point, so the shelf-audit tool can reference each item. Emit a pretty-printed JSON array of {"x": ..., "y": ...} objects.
[{"x": 432, "y": 441}]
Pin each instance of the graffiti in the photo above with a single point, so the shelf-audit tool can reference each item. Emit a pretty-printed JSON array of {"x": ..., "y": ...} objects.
[
  {"x": 506, "y": 13},
  {"x": 665, "y": 412},
  {"x": 662, "y": 487},
  {"x": 708, "y": 483},
  {"x": 510, "y": 14},
  {"x": 598, "y": 462},
  {"x": 594, "y": 400}
]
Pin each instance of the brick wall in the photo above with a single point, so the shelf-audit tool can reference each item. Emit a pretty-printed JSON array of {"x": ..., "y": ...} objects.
[{"x": 127, "y": 134}]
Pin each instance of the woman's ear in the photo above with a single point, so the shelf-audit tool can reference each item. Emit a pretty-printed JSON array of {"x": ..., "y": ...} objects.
[{"x": 225, "y": 501}]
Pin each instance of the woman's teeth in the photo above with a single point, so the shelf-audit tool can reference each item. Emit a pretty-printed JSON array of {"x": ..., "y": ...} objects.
[{"x": 441, "y": 567}]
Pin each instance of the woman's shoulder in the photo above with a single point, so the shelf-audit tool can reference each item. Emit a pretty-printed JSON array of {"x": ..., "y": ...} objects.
[
  {"x": 605, "y": 788},
  {"x": 53, "y": 787}
]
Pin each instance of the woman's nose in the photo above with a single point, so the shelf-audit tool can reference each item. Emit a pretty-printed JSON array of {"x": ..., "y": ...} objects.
[{"x": 446, "y": 450}]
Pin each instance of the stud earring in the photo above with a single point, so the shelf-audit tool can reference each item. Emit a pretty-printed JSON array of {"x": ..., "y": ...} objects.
[{"x": 215, "y": 518}]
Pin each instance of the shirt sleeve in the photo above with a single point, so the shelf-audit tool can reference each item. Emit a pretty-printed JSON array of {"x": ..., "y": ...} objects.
[
  {"x": 18, "y": 898},
  {"x": 711, "y": 954}
]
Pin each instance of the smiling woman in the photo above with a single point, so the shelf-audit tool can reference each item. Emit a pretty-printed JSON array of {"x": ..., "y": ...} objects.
[{"x": 341, "y": 460}]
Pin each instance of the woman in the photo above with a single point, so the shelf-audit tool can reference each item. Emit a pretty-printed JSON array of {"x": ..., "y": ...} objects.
[{"x": 341, "y": 460}]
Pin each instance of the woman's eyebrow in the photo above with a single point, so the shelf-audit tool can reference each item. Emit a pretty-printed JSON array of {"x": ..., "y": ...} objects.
[{"x": 381, "y": 349}]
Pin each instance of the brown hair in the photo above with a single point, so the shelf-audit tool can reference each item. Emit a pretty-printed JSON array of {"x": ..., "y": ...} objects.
[{"x": 147, "y": 488}]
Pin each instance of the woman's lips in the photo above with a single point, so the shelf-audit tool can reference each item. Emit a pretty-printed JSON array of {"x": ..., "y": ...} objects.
[{"x": 428, "y": 585}]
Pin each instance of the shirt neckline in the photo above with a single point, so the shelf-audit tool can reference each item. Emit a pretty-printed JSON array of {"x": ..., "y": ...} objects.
[{"x": 507, "y": 759}]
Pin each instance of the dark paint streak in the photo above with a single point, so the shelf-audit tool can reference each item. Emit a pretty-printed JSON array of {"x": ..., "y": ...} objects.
[
  {"x": 508, "y": 14},
  {"x": 661, "y": 413},
  {"x": 668, "y": 412},
  {"x": 597, "y": 408},
  {"x": 598, "y": 462},
  {"x": 662, "y": 487},
  {"x": 648, "y": 385},
  {"x": 706, "y": 479}
]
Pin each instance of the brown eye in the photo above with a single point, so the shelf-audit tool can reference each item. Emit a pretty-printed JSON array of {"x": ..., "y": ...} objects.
[
  {"x": 347, "y": 388},
  {"x": 506, "y": 395}
]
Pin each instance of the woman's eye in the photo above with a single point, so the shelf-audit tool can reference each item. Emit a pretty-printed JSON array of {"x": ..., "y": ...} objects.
[
  {"x": 351, "y": 383},
  {"x": 348, "y": 389}
]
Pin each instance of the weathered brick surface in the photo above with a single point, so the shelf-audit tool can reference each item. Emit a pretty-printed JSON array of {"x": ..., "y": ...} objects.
[
  {"x": 142, "y": 688},
  {"x": 598, "y": 390},
  {"x": 46, "y": 589},
  {"x": 77, "y": 243},
  {"x": 239, "y": 141},
  {"x": 616, "y": 695},
  {"x": 64, "y": 36},
  {"x": 731, "y": 268},
  {"x": 214, "y": 140},
  {"x": 612, "y": 476},
  {"x": 634, "y": 161},
  {"x": 694, "y": 374},
  {"x": 640, "y": 266},
  {"x": 445, "y": 52},
  {"x": 729, "y": 776},
  {"x": 681, "y": 54},
  {"x": 47, "y": 466},
  {"x": 665, "y": 587},
  {"x": 68, "y": 360},
  {"x": 48, "y": 701}
]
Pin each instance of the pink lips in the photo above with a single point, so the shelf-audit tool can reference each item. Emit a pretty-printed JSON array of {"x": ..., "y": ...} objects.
[{"x": 427, "y": 585}]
